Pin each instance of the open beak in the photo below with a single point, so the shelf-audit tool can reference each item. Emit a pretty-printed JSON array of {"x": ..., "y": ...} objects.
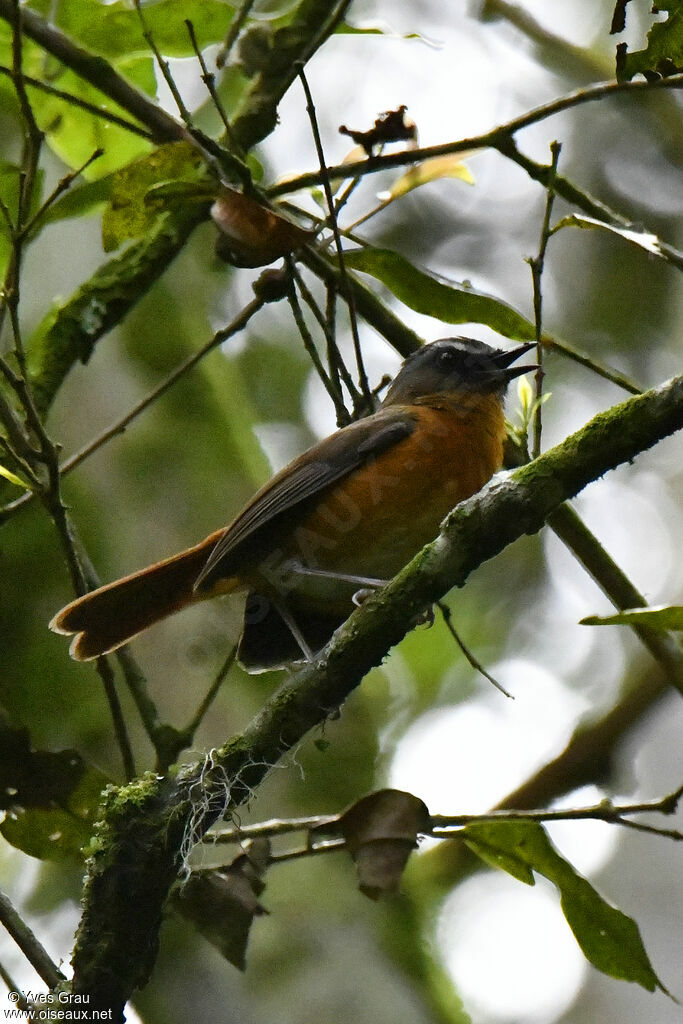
[{"x": 503, "y": 360}]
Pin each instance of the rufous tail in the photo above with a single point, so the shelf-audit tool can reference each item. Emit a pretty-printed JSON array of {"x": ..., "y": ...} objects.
[{"x": 106, "y": 618}]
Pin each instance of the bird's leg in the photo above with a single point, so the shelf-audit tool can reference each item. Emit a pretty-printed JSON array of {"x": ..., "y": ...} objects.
[
  {"x": 292, "y": 626},
  {"x": 343, "y": 577}
]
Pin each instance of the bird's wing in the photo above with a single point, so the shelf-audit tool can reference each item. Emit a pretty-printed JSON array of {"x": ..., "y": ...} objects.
[{"x": 325, "y": 463}]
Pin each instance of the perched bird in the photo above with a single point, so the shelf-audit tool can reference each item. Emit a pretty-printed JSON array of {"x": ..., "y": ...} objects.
[{"x": 344, "y": 516}]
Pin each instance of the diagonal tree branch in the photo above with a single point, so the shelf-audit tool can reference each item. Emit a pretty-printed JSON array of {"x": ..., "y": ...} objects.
[
  {"x": 28, "y": 943},
  {"x": 70, "y": 333},
  {"x": 150, "y": 827},
  {"x": 99, "y": 72}
]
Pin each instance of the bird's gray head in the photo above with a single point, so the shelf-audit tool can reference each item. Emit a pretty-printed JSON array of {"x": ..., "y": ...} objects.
[{"x": 456, "y": 365}]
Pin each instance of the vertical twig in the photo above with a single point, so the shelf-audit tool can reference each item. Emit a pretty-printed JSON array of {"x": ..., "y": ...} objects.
[
  {"x": 106, "y": 674},
  {"x": 233, "y": 32},
  {"x": 336, "y": 367},
  {"x": 309, "y": 345},
  {"x": 32, "y": 141},
  {"x": 537, "y": 264},
  {"x": 163, "y": 66},
  {"x": 209, "y": 80},
  {"x": 190, "y": 729},
  {"x": 343, "y": 277}
]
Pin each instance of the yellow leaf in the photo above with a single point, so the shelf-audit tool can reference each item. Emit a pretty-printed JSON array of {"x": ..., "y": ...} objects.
[
  {"x": 525, "y": 394},
  {"x": 450, "y": 166},
  {"x": 13, "y": 478}
]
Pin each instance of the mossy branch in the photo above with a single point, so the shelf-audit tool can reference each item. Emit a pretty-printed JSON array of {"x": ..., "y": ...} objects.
[
  {"x": 69, "y": 333},
  {"x": 150, "y": 826}
]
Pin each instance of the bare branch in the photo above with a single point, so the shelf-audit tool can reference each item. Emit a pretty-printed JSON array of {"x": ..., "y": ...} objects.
[{"x": 29, "y": 944}]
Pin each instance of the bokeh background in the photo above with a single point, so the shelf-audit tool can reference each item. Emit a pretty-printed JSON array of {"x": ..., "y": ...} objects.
[{"x": 425, "y": 721}]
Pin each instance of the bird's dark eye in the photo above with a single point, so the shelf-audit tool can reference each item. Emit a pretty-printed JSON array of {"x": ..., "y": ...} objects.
[{"x": 447, "y": 359}]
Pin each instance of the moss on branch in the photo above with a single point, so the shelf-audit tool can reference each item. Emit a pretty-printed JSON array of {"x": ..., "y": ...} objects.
[
  {"x": 150, "y": 825},
  {"x": 70, "y": 332}
]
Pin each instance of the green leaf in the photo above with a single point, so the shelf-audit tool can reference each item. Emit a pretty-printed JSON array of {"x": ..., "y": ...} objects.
[
  {"x": 608, "y": 938},
  {"x": 74, "y": 134},
  {"x": 643, "y": 239},
  {"x": 81, "y": 200},
  {"x": 496, "y": 854},
  {"x": 449, "y": 302},
  {"x": 660, "y": 617},
  {"x": 51, "y": 798},
  {"x": 382, "y": 28},
  {"x": 663, "y": 55},
  {"x": 132, "y": 210},
  {"x": 114, "y": 30},
  {"x": 58, "y": 833}
]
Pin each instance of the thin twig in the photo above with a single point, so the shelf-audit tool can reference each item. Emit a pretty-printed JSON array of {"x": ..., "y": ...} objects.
[
  {"x": 447, "y": 826},
  {"x": 163, "y": 65},
  {"x": 537, "y": 265},
  {"x": 346, "y": 289},
  {"x": 325, "y": 846},
  {"x": 120, "y": 426},
  {"x": 336, "y": 366},
  {"x": 12, "y": 987},
  {"x": 236, "y": 325},
  {"x": 106, "y": 674},
  {"x": 272, "y": 827},
  {"x": 16, "y": 442},
  {"x": 62, "y": 186},
  {"x": 29, "y": 945},
  {"x": 309, "y": 345},
  {"x": 76, "y": 101},
  {"x": 209, "y": 80},
  {"x": 638, "y": 826},
  {"x": 604, "y": 811},
  {"x": 474, "y": 662},
  {"x": 595, "y": 365},
  {"x": 233, "y": 32},
  {"x": 32, "y": 139},
  {"x": 196, "y": 720},
  {"x": 493, "y": 138},
  {"x": 213, "y": 153}
]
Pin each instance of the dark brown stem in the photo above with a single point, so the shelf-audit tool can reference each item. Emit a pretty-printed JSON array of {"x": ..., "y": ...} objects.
[{"x": 537, "y": 265}]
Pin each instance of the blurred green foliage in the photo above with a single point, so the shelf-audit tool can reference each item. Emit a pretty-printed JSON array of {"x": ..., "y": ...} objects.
[{"x": 188, "y": 464}]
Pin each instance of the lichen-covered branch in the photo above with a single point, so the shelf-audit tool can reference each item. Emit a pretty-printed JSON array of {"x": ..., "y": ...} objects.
[
  {"x": 150, "y": 826},
  {"x": 70, "y": 332},
  {"x": 287, "y": 49}
]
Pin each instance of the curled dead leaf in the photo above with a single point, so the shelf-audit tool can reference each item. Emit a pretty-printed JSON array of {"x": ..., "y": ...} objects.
[
  {"x": 222, "y": 903},
  {"x": 381, "y": 832}
]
